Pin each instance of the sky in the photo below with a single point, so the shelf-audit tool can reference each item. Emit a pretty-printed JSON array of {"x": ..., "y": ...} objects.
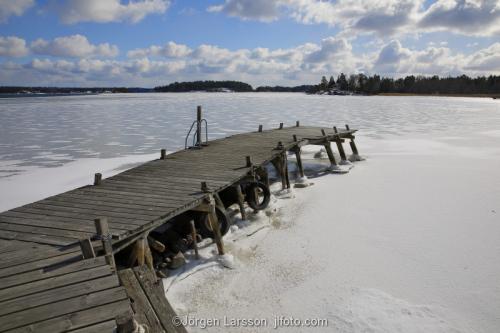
[{"x": 263, "y": 42}]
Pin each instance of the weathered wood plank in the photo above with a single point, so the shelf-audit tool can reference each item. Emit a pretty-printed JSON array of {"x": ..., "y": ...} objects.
[
  {"x": 143, "y": 310},
  {"x": 156, "y": 296},
  {"x": 78, "y": 319},
  {"x": 58, "y": 294}
]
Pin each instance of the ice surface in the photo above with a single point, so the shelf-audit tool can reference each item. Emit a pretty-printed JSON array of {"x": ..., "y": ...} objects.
[{"x": 407, "y": 241}]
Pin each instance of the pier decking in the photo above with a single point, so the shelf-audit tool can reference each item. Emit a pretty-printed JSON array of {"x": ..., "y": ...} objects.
[{"x": 47, "y": 286}]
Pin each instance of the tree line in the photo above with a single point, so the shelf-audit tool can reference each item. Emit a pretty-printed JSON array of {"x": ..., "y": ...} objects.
[
  {"x": 363, "y": 84},
  {"x": 204, "y": 86}
]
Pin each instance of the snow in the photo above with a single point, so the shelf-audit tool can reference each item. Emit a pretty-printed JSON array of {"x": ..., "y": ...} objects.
[{"x": 406, "y": 241}]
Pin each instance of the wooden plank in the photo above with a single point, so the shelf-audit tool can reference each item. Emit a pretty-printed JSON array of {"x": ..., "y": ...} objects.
[
  {"x": 43, "y": 239},
  {"x": 54, "y": 282},
  {"x": 78, "y": 319},
  {"x": 72, "y": 223},
  {"x": 60, "y": 308},
  {"x": 21, "y": 267},
  {"x": 46, "y": 272},
  {"x": 44, "y": 230},
  {"x": 58, "y": 294},
  {"x": 145, "y": 313},
  {"x": 107, "y": 326},
  {"x": 156, "y": 296}
]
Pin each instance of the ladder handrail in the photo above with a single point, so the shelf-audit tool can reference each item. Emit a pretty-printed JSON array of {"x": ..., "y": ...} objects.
[{"x": 195, "y": 134}]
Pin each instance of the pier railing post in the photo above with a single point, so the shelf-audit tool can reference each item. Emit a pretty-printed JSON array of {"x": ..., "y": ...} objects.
[
  {"x": 102, "y": 228},
  {"x": 97, "y": 179}
]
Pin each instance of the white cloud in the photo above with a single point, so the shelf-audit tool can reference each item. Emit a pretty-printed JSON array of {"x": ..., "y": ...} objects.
[
  {"x": 487, "y": 59},
  {"x": 9, "y": 8},
  {"x": 169, "y": 50},
  {"x": 331, "y": 48},
  {"x": 102, "y": 11},
  {"x": 13, "y": 47},
  {"x": 303, "y": 64},
  {"x": 469, "y": 17},
  {"x": 262, "y": 10},
  {"x": 384, "y": 17},
  {"x": 76, "y": 46}
]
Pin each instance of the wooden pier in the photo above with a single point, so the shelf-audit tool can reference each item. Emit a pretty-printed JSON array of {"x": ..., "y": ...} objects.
[{"x": 57, "y": 268}]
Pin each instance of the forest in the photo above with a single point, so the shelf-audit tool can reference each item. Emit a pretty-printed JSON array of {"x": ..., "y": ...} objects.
[
  {"x": 428, "y": 85},
  {"x": 204, "y": 86}
]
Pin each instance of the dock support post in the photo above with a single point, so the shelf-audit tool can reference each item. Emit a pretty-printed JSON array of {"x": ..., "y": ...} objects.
[
  {"x": 262, "y": 173},
  {"x": 102, "y": 228},
  {"x": 297, "y": 123},
  {"x": 278, "y": 165},
  {"x": 214, "y": 223},
  {"x": 87, "y": 248},
  {"x": 329, "y": 151},
  {"x": 198, "y": 126},
  {"x": 195, "y": 241},
  {"x": 241, "y": 202},
  {"x": 281, "y": 125},
  {"x": 97, "y": 179},
  {"x": 260, "y": 128},
  {"x": 285, "y": 170},
  {"x": 352, "y": 144},
  {"x": 163, "y": 154},
  {"x": 343, "y": 156},
  {"x": 299, "y": 161}
]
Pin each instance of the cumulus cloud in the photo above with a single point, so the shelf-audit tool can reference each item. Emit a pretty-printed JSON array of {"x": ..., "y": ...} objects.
[
  {"x": 76, "y": 46},
  {"x": 13, "y": 47},
  {"x": 102, "y": 11},
  {"x": 331, "y": 48},
  {"x": 284, "y": 66},
  {"x": 487, "y": 59},
  {"x": 9, "y": 8},
  {"x": 384, "y": 17},
  {"x": 470, "y": 17},
  {"x": 169, "y": 50},
  {"x": 262, "y": 10}
]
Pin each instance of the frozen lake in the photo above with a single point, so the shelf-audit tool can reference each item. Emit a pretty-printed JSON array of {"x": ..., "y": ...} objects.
[
  {"x": 51, "y": 131},
  {"x": 414, "y": 240}
]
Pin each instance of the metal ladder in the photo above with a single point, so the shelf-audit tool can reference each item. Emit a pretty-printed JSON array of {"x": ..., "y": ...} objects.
[{"x": 197, "y": 142}]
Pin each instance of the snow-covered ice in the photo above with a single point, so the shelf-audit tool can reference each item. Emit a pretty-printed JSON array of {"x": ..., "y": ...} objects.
[{"x": 407, "y": 241}]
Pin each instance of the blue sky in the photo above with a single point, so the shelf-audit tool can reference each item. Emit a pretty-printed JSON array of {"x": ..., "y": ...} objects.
[{"x": 151, "y": 42}]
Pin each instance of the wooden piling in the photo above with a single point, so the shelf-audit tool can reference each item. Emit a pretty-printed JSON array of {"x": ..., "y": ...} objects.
[
  {"x": 163, "y": 154},
  {"x": 204, "y": 187},
  {"x": 195, "y": 241},
  {"x": 214, "y": 223},
  {"x": 347, "y": 127},
  {"x": 299, "y": 161},
  {"x": 335, "y": 129},
  {"x": 102, "y": 228},
  {"x": 87, "y": 248},
  {"x": 241, "y": 201},
  {"x": 353, "y": 147},
  {"x": 285, "y": 170},
  {"x": 323, "y": 132},
  {"x": 329, "y": 151},
  {"x": 281, "y": 125},
  {"x": 260, "y": 128},
  {"x": 97, "y": 179},
  {"x": 294, "y": 138},
  {"x": 342, "y": 154},
  {"x": 297, "y": 123}
]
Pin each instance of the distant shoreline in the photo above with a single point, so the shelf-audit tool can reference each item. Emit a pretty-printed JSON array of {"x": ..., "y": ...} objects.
[{"x": 494, "y": 96}]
